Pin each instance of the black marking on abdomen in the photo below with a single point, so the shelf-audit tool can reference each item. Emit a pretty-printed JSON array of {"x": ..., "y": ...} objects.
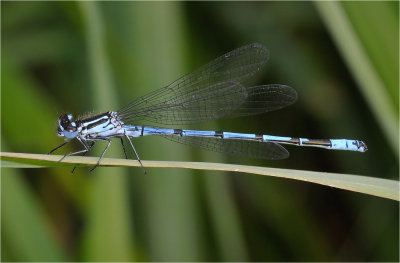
[
  {"x": 295, "y": 141},
  {"x": 259, "y": 137},
  {"x": 178, "y": 132},
  {"x": 219, "y": 134},
  {"x": 321, "y": 142}
]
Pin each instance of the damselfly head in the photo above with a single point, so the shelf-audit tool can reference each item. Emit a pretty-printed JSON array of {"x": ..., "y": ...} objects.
[{"x": 66, "y": 126}]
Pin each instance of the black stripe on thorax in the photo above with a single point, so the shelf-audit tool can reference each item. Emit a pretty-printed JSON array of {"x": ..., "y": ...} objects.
[
  {"x": 94, "y": 124},
  {"x": 106, "y": 114}
]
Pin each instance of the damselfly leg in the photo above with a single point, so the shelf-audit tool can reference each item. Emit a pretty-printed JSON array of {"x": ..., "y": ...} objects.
[
  {"x": 91, "y": 145},
  {"x": 101, "y": 156},
  {"x": 123, "y": 147},
  {"x": 58, "y": 147},
  {"x": 137, "y": 155},
  {"x": 87, "y": 148}
]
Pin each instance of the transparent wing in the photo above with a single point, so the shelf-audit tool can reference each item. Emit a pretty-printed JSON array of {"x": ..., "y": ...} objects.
[
  {"x": 265, "y": 98},
  {"x": 210, "y": 102},
  {"x": 212, "y": 91},
  {"x": 243, "y": 148}
]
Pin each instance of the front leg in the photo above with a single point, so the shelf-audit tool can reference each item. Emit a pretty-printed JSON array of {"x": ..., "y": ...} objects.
[
  {"x": 84, "y": 151},
  {"x": 59, "y": 146}
]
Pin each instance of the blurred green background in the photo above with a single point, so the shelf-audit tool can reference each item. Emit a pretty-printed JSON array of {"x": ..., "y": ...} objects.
[{"x": 77, "y": 57}]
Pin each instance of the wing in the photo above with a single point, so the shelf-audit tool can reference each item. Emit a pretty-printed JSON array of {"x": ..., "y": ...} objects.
[
  {"x": 210, "y": 102},
  {"x": 265, "y": 98},
  {"x": 243, "y": 148},
  {"x": 212, "y": 91}
]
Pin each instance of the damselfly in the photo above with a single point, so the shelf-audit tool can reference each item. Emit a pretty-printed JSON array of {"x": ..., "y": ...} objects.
[{"x": 215, "y": 90}]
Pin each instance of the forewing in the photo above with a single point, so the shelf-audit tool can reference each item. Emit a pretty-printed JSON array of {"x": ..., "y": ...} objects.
[{"x": 186, "y": 100}]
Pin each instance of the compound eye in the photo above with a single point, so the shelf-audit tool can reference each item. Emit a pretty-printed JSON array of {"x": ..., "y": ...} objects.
[{"x": 64, "y": 120}]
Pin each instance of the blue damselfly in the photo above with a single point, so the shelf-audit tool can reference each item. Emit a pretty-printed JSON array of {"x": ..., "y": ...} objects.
[{"x": 215, "y": 90}]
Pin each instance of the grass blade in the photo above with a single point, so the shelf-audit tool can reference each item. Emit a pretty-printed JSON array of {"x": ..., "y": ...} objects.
[{"x": 357, "y": 183}]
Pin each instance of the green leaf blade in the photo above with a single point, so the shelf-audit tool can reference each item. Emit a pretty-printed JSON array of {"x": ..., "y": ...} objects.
[{"x": 363, "y": 184}]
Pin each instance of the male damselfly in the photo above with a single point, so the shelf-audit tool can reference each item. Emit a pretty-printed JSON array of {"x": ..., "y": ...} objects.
[{"x": 215, "y": 90}]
